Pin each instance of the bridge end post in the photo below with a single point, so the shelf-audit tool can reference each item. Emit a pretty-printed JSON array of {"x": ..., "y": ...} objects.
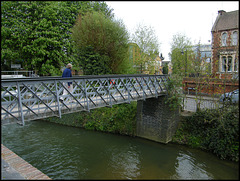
[{"x": 155, "y": 120}]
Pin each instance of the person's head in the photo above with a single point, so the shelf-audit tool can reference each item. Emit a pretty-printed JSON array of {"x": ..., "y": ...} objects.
[{"x": 69, "y": 66}]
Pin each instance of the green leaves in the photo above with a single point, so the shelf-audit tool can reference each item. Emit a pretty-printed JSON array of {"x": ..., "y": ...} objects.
[
  {"x": 104, "y": 38},
  {"x": 93, "y": 63},
  {"x": 147, "y": 41},
  {"x": 104, "y": 119},
  {"x": 39, "y": 33},
  {"x": 181, "y": 62},
  {"x": 213, "y": 130}
]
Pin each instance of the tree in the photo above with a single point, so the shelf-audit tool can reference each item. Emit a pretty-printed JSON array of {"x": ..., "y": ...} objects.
[
  {"x": 104, "y": 38},
  {"x": 147, "y": 41},
  {"x": 181, "y": 54},
  {"x": 198, "y": 62},
  {"x": 39, "y": 33}
]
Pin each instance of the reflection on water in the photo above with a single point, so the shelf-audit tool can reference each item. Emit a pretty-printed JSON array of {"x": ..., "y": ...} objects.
[
  {"x": 126, "y": 163},
  {"x": 187, "y": 168},
  {"x": 64, "y": 152}
]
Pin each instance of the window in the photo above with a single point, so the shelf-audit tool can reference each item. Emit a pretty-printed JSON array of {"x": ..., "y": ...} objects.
[
  {"x": 235, "y": 38},
  {"x": 227, "y": 64},
  {"x": 224, "y": 39},
  {"x": 235, "y": 69},
  {"x": 224, "y": 60},
  {"x": 208, "y": 60}
]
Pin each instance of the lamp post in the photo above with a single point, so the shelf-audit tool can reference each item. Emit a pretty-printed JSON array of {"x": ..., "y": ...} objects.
[{"x": 185, "y": 60}]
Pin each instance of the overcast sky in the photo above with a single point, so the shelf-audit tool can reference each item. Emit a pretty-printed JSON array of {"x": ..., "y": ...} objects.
[{"x": 191, "y": 18}]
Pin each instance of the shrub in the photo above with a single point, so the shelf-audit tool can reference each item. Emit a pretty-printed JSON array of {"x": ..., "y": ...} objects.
[
  {"x": 214, "y": 130},
  {"x": 118, "y": 119}
]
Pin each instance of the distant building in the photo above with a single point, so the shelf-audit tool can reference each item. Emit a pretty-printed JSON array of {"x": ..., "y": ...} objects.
[
  {"x": 205, "y": 55},
  {"x": 158, "y": 64},
  {"x": 205, "y": 51},
  {"x": 153, "y": 64},
  {"x": 225, "y": 44},
  {"x": 224, "y": 61},
  {"x": 134, "y": 55},
  {"x": 134, "y": 52}
]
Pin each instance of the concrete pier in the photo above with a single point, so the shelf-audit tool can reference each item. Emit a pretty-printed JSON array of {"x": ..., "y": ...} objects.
[{"x": 155, "y": 120}]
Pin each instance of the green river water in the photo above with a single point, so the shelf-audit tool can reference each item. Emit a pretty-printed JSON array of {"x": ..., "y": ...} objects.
[{"x": 63, "y": 152}]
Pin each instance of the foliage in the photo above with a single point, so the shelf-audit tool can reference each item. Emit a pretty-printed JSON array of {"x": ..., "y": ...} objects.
[
  {"x": 181, "y": 62},
  {"x": 93, "y": 63},
  {"x": 37, "y": 33},
  {"x": 104, "y": 119},
  {"x": 112, "y": 120},
  {"x": 105, "y": 37},
  {"x": 165, "y": 68},
  {"x": 174, "y": 98},
  {"x": 147, "y": 41},
  {"x": 214, "y": 130}
]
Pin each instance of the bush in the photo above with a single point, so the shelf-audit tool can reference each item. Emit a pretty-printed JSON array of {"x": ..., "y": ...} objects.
[
  {"x": 118, "y": 119},
  {"x": 214, "y": 130}
]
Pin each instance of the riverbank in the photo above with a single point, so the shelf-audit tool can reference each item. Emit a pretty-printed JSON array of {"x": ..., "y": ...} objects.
[
  {"x": 120, "y": 119},
  {"x": 215, "y": 131}
]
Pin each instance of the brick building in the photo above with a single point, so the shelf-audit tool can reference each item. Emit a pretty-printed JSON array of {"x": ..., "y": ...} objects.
[
  {"x": 225, "y": 44},
  {"x": 225, "y": 58}
]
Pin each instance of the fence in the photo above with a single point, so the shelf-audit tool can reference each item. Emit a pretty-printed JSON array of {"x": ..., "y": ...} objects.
[{"x": 190, "y": 103}]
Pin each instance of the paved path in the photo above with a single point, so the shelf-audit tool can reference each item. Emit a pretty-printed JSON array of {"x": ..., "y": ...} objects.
[
  {"x": 15, "y": 168},
  {"x": 9, "y": 173}
]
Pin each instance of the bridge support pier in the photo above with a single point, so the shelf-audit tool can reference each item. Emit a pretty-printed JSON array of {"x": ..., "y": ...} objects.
[{"x": 155, "y": 120}]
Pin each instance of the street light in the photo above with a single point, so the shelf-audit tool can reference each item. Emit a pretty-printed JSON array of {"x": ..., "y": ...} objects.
[{"x": 185, "y": 60}]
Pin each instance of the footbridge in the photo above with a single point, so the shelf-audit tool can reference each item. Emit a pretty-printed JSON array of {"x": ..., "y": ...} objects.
[{"x": 25, "y": 99}]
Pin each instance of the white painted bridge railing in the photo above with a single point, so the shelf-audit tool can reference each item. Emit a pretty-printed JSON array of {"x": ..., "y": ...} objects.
[{"x": 35, "y": 98}]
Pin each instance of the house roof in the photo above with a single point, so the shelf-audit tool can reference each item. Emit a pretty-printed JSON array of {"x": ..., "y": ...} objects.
[{"x": 226, "y": 21}]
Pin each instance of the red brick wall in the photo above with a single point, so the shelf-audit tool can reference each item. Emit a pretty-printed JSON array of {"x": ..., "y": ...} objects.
[
  {"x": 209, "y": 86},
  {"x": 217, "y": 47}
]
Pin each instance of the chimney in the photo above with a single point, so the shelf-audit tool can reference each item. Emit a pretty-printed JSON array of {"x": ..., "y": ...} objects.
[{"x": 220, "y": 12}]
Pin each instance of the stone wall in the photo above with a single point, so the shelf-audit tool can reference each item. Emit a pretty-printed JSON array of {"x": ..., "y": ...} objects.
[{"x": 155, "y": 120}]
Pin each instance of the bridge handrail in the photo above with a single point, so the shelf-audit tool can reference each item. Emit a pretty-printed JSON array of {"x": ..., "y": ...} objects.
[
  {"x": 77, "y": 77},
  {"x": 34, "y": 98}
]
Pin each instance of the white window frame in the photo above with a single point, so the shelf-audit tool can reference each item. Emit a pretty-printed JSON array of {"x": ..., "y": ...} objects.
[
  {"x": 235, "y": 66},
  {"x": 222, "y": 43},
  {"x": 232, "y": 38},
  {"x": 227, "y": 56}
]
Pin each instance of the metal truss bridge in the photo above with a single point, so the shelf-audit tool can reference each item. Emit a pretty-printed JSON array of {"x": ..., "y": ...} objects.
[{"x": 25, "y": 99}]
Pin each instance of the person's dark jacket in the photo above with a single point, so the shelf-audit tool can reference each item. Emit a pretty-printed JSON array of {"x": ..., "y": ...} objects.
[{"x": 67, "y": 73}]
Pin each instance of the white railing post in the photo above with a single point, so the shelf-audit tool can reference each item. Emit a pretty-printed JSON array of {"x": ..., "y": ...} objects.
[
  {"x": 86, "y": 95},
  {"x": 20, "y": 103},
  {"x": 57, "y": 95}
]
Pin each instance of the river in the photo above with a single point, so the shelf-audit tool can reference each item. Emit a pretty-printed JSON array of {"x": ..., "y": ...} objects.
[{"x": 63, "y": 152}]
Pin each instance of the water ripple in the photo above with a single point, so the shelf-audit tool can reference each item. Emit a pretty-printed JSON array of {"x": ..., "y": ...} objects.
[{"x": 64, "y": 152}]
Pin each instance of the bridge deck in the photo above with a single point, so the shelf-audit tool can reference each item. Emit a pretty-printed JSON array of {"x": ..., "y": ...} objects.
[{"x": 36, "y": 98}]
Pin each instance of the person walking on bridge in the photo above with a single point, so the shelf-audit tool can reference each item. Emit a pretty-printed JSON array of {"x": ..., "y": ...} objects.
[{"x": 68, "y": 85}]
